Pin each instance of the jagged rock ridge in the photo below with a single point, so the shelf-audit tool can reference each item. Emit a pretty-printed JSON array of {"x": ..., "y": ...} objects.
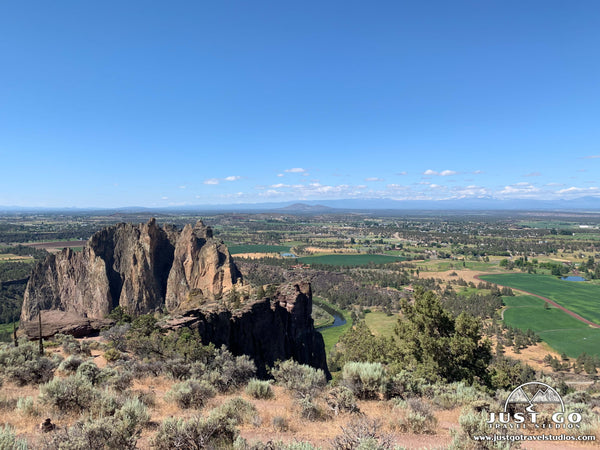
[
  {"x": 141, "y": 268},
  {"x": 269, "y": 329}
]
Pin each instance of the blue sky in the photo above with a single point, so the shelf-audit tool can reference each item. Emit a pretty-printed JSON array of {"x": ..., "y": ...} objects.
[{"x": 188, "y": 102}]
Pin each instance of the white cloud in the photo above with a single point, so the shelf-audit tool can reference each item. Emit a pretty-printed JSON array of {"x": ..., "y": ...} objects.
[
  {"x": 477, "y": 172},
  {"x": 591, "y": 157},
  {"x": 279, "y": 174},
  {"x": 182, "y": 187},
  {"x": 576, "y": 190},
  {"x": 164, "y": 198},
  {"x": 402, "y": 173},
  {"x": 295, "y": 170},
  {"x": 373, "y": 179},
  {"x": 279, "y": 186},
  {"x": 447, "y": 173},
  {"x": 211, "y": 181},
  {"x": 232, "y": 178},
  {"x": 532, "y": 174},
  {"x": 429, "y": 172}
]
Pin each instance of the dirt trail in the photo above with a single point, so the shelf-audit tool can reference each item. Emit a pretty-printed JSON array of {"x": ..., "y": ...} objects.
[{"x": 552, "y": 302}]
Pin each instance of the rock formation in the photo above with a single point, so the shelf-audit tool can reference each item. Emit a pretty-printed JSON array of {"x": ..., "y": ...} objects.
[
  {"x": 131, "y": 266},
  {"x": 144, "y": 268},
  {"x": 268, "y": 329}
]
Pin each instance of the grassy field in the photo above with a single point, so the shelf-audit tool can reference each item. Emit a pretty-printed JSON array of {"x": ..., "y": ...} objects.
[
  {"x": 579, "y": 297},
  {"x": 237, "y": 249},
  {"x": 349, "y": 260},
  {"x": 380, "y": 323},
  {"x": 555, "y": 327}
]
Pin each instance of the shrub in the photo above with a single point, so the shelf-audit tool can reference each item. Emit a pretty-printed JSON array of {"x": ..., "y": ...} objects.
[
  {"x": 475, "y": 424},
  {"x": 191, "y": 393},
  {"x": 89, "y": 371},
  {"x": 227, "y": 372},
  {"x": 72, "y": 346},
  {"x": 133, "y": 414},
  {"x": 24, "y": 365},
  {"x": 365, "y": 379},
  {"x": 241, "y": 444},
  {"x": 280, "y": 423},
  {"x": 26, "y": 406},
  {"x": 310, "y": 410},
  {"x": 106, "y": 404},
  {"x": 119, "y": 380},
  {"x": 112, "y": 355},
  {"x": 237, "y": 410},
  {"x": 404, "y": 384},
  {"x": 99, "y": 434},
  {"x": 70, "y": 364},
  {"x": 301, "y": 379},
  {"x": 70, "y": 393},
  {"x": 195, "y": 433},
  {"x": 419, "y": 419},
  {"x": 362, "y": 433},
  {"x": 259, "y": 389},
  {"x": 342, "y": 399},
  {"x": 9, "y": 440},
  {"x": 177, "y": 368}
]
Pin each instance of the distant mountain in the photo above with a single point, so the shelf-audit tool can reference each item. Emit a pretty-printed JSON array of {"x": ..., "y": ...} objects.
[
  {"x": 303, "y": 208},
  {"x": 589, "y": 203}
]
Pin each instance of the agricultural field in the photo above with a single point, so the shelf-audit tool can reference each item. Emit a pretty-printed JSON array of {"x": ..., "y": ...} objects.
[
  {"x": 248, "y": 248},
  {"x": 349, "y": 260},
  {"x": 580, "y": 297},
  {"x": 558, "y": 329}
]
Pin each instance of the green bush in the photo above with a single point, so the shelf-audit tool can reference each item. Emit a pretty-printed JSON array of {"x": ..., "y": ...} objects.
[
  {"x": 419, "y": 418},
  {"x": 191, "y": 393},
  {"x": 310, "y": 410},
  {"x": 341, "y": 399},
  {"x": 365, "y": 379},
  {"x": 89, "y": 371},
  {"x": 9, "y": 440},
  {"x": 73, "y": 393},
  {"x": 241, "y": 444},
  {"x": 26, "y": 406},
  {"x": 119, "y": 380},
  {"x": 237, "y": 410},
  {"x": 72, "y": 346},
  {"x": 259, "y": 389},
  {"x": 227, "y": 372},
  {"x": 301, "y": 379},
  {"x": 194, "y": 433},
  {"x": 112, "y": 355},
  {"x": 24, "y": 365},
  {"x": 71, "y": 364}
]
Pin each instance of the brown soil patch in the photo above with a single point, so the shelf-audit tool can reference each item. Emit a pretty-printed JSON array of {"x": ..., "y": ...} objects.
[{"x": 467, "y": 275}]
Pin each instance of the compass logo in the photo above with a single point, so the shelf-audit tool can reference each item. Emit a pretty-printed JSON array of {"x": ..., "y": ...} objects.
[{"x": 528, "y": 403}]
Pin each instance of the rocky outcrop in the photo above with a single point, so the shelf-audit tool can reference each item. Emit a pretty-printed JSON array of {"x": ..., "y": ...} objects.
[
  {"x": 201, "y": 267},
  {"x": 131, "y": 266},
  {"x": 55, "y": 322},
  {"x": 268, "y": 330}
]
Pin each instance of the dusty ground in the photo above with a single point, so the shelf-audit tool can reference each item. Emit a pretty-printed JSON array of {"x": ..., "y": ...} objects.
[{"x": 467, "y": 275}]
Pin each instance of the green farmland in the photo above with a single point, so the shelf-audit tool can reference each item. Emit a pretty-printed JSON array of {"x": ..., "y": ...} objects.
[
  {"x": 349, "y": 260},
  {"x": 237, "y": 249},
  {"x": 580, "y": 297},
  {"x": 561, "y": 331}
]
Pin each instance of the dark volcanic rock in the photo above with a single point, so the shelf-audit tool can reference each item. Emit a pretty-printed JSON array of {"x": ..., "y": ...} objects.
[{"x": 268, "y": 330}]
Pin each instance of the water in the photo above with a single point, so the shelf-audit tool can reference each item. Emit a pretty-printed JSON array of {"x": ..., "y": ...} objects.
[
  {"x": 338, "y": 321},
  {"x": 572, "y": 278}
]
